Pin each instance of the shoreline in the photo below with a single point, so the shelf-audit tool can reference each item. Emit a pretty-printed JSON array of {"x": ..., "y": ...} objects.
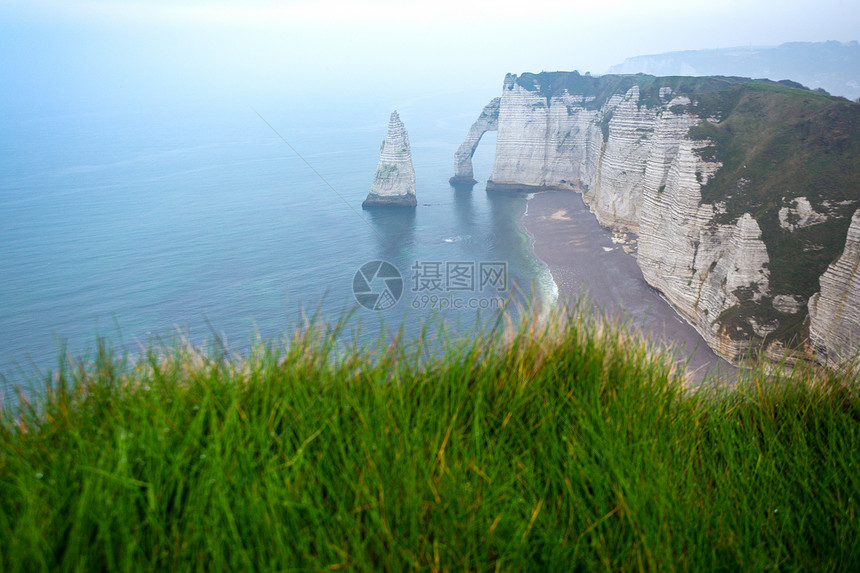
[
  {"x": 549, "y": 293},
  {"x": 587, "y": 259}
]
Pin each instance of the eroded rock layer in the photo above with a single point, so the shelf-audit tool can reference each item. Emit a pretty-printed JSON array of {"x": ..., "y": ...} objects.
[{"x": 835, "y": 311}]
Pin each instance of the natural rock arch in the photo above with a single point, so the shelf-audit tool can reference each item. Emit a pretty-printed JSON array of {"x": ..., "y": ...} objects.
[{"x": 487, "y": 121}]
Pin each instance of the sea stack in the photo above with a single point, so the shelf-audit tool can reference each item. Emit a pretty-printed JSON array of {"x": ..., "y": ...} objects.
[{"x": 394, "y": 182}]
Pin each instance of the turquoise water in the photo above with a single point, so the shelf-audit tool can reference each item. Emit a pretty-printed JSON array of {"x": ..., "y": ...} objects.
[{"x": 133, "y": 225}]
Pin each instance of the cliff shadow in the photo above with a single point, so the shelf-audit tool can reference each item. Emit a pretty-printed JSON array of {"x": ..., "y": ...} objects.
[
  {"x": 395, "y": 232},
  {"x": 461, "y": 187},
  {"x": 464, "y": 208}
]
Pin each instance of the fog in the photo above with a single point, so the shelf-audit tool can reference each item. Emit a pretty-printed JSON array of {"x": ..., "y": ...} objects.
[{"x": 68, "y": 55}]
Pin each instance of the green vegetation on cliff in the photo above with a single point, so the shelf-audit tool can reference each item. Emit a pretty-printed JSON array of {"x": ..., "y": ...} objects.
[
  {"x": 567, "y": 446},
  {"x": 601, "y": 88},
  {"x": 776, "y": 141}
]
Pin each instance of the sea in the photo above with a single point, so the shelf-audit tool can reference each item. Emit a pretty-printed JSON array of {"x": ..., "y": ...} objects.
[{"x": 234, "y": 223}]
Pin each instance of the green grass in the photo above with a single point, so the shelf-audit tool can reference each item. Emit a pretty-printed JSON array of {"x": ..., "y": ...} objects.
[{"x": 569, "y": 445}]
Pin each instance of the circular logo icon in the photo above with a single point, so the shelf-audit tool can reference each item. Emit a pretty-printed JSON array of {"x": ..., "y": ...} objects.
[{"x": 377, "y": 285}]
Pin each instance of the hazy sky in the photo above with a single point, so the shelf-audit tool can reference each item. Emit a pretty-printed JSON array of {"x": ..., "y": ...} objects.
[{"x": 69, "y": 52}]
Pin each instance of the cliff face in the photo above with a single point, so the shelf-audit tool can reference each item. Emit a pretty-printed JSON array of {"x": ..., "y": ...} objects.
[
  {"x": 703, "y": 269},
  {"x": 734, "y": 226},
  {"x": 608, "y": 152},
  {"x": 394, "y": 182},
  {"x": 835, "y": 311}
]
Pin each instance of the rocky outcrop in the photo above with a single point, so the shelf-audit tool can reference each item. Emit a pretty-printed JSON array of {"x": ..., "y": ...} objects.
[
  {"x": 394, "y": 182},
  {"x": 487, "y": 121},
  {"x": 627, "y": 143},
  {"x": 788, "y": 304},
  {"x": 799, "y": 214},
  {"x": 835, "y": 311}
]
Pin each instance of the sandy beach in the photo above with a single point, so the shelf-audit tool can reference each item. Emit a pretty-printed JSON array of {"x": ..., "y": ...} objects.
[{"x": 585, "y": 258}]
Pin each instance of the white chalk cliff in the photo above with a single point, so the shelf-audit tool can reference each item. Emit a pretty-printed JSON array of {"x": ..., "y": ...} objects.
[
  {"x": 835, "y": 311},
  {"x": 639, "y": 170},
  {"x": 394, "y": 182}
]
